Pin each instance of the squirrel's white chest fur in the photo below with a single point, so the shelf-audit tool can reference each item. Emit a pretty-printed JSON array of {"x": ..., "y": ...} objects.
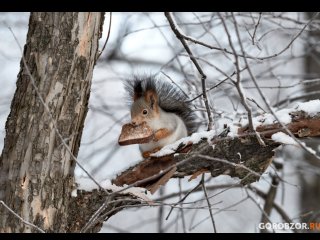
[{"x": 169, "y": 121}]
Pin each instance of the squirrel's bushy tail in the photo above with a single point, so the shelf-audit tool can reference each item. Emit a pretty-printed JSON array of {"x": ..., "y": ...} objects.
[{"x": 171, "y": 98}]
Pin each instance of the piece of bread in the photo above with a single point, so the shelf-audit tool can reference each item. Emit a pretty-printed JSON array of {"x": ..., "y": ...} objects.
[{"x": 135, "y": 134}]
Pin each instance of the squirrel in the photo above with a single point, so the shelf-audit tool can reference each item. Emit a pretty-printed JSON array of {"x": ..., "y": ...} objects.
[{"x": 163, "y": 107}]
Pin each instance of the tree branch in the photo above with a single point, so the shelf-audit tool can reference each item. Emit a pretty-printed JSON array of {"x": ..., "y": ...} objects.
[
  {"x": 240, "y": 156},
  {"x": 180, "y": 36}
]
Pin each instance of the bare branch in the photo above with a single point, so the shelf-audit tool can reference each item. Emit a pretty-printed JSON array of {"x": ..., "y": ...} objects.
[
  {"x": 177, "y": 32},
  {"x": 269, "y": 200},
  {"x": 208, "y": 202},
  {"x": 238, "y": 82},
  {"x": 108, "y": 35},
  {"x": 267, "y": 103},
  {"x": 255, "y": 29}
]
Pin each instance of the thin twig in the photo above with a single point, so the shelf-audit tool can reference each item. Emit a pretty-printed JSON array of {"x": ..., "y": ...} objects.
[
  {"x": 105, "y": 43},
  {"x": 230, "y": 163},
  {"x": 208, "y": 202},
  {"x": 276, "y": 206},
  {"x": 160, "y": 212},
  {"x": 291, "y": 42},
  {"x": 20, "y": 218},
  {"x": 182, "y": 199},
  {"x": 258, "y": 205},
  {"x": 246, "y": 55},
  {"x": 174, "y": 83},
  {"x": 255, "y": 102},
  {"x": 180, "y": 36},
  {"x": 181, "y": 210},
  {"x": 164, "y": 35},
  {"x": 303, "y": 96},
  {"x": 269, "y": 200},
  {"x": 220, "y": 210},
  {"x": 255, "y": 190},
  {"x": 95, "y": 216},
  {"x": 211, "y": 188},
  {"x": 215, "y": 86},
  {"x": 255, "y": 28},
  {"x": 238, "y": 82},
  {"x": 265, "y": 99}
]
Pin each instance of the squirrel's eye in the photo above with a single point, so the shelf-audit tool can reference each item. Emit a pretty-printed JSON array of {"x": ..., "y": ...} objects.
[{"x": 145, "y": 111}]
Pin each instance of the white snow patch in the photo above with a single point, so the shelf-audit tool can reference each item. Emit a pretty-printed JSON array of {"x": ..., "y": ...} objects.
[
  {"x": 88, "y": 185},
  {"x": 194, "y": 139},
  {"x": 309, "y": 149},
  {"x": 74, "y": 193},
  {"x": 286, "y": 139},
  {"x": 283, "y": 116},
  {"x": 85, "y": 183},
  {"x": 283, "y": 138},
  {"x": 311, "y": 107},
  {"x": 268, "y": 118},
  {"x": 233, "y": 130}
]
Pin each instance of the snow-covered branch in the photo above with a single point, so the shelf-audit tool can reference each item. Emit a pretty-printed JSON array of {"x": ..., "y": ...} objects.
[{"x": 234, "y": 152}]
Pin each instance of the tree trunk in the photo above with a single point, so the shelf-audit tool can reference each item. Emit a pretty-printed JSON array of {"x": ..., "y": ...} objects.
[{"x": 36, "y": 169}]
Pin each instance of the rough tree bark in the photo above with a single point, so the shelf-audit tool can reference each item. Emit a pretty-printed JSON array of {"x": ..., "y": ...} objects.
[{"x": 36, "y": 170}]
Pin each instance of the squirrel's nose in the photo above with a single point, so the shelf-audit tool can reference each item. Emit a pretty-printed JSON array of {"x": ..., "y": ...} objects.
[{"x": 134, "y": 123}]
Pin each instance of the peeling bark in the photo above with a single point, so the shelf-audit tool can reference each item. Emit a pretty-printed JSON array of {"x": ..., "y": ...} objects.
[{"x": 36, "y": 170}]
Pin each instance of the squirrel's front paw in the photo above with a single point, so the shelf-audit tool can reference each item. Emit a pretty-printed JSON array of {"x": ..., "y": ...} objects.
[
  {"x": 147, "y": 154},
  {"x": 160, "y": 134},
  {"x": 155, "y": 139}
]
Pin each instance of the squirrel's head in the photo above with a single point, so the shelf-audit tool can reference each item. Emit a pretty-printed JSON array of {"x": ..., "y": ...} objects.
[{"x": 145, "y": 108}]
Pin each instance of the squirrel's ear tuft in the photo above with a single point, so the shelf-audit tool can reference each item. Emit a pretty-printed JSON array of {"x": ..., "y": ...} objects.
[
  {"x": 151, "y": 98},
  {"x": 137, "y": 87}
]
